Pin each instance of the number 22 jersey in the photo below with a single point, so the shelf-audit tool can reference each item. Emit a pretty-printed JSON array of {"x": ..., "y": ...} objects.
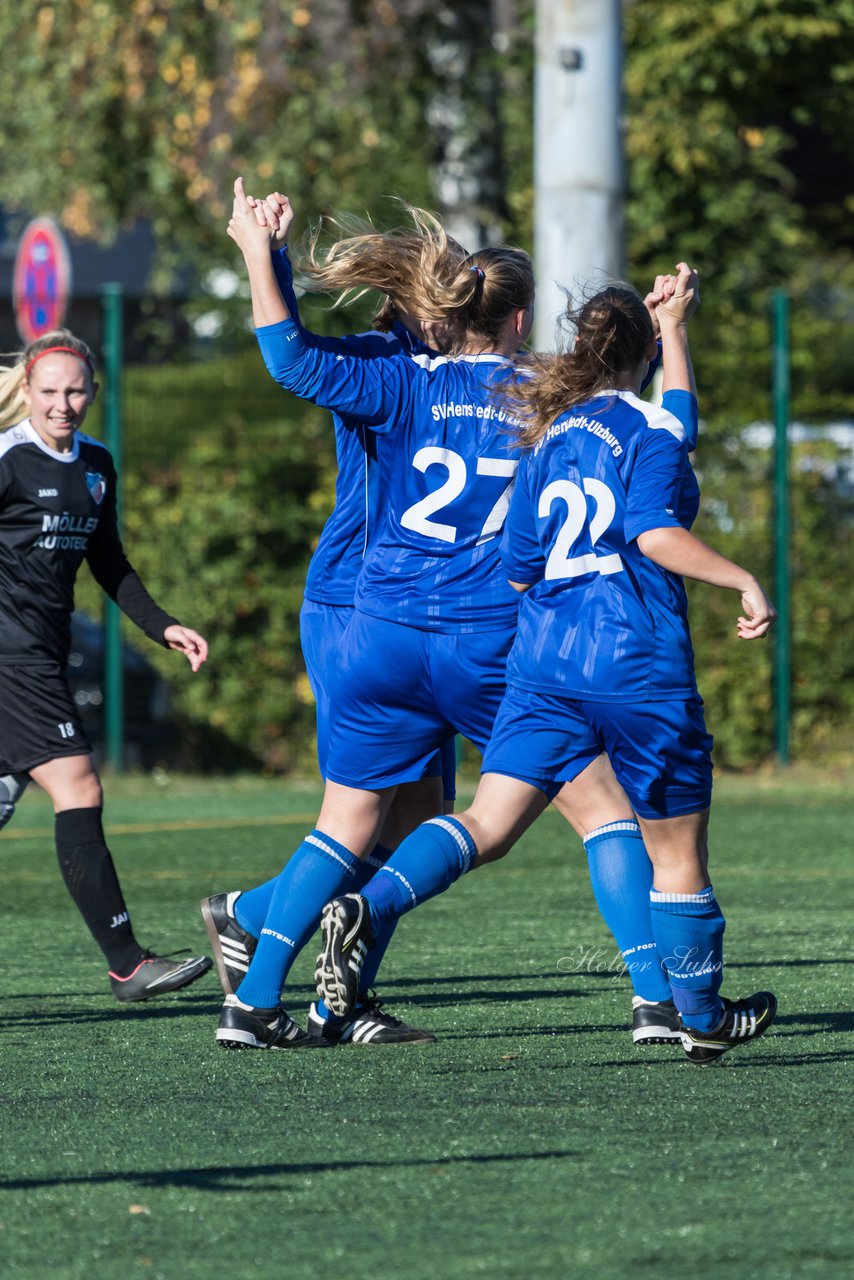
[{"x": 602, "y": 621}]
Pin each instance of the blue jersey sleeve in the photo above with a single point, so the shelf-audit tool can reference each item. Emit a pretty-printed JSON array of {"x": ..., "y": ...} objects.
[
  {"x": 520, "y": 549},
  {"x": 284, "y": 274},
  {"x": 373, "y": 391},
  {"x": 683, "y": 405},
  {"x": 655, "y": 484}
]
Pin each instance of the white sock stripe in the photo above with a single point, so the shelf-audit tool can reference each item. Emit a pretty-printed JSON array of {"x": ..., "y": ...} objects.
[
  {"x": 627, "y": 825},
  {"x": 327, "y": 848},
  {"x": 705, "y": 898},
  {"x": 466, "y": 847},
  {"x": 374, "y": 862}
]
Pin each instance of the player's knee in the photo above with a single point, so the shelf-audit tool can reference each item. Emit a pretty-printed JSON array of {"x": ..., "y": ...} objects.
[{"x": 88, "y": 793}]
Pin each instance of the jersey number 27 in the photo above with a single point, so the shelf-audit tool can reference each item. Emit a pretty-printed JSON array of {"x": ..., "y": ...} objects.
[{"x": 417, "y": 517}]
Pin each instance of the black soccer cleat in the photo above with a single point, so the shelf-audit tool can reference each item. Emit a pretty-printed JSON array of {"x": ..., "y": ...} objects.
[
  {"x": 655, "y": 1022},
  {"x": 369, "y": 1024},
  {"x": 157, "y": 975},
  {"x": 743, "y": 1020},
  {"x": 243, "y": 1027},
  {"x": 347, "y": 938},
  {"x": 232, "y": 945}
]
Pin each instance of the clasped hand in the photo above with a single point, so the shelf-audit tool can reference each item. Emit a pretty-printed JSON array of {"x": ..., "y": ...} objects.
[{"x": 256, "y": 224}]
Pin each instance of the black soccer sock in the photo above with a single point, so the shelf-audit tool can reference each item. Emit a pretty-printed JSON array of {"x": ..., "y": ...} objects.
[{"x": 88, "y": 871}]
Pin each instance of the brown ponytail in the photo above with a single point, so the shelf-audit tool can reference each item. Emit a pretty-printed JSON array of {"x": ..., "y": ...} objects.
[{"x": 613, "y": 331}]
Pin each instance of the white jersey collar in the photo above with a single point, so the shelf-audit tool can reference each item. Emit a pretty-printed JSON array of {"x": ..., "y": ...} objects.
[{"x": 34, "y": 438}]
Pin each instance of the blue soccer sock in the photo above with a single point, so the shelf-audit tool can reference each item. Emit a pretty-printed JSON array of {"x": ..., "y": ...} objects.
[
  {"x": 426, "y": 863},
  {"x": 377, "y": 859},
  {"x": 621, "y": 876},
  {"x": 250, "y": 909},
  {"x": 689, "y": 932},
  {"x": 367, "y": 868},
  {"x": 319, "y": 870}
]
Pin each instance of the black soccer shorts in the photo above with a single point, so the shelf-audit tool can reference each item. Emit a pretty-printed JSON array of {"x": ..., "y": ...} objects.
[{"x": 38, "y": 718}]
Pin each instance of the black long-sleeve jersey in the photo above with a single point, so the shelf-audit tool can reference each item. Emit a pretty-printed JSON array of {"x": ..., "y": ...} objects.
[{"x": 57, "y": 509}]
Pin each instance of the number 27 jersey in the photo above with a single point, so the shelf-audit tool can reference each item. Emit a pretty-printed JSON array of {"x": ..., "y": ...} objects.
[
  {"x": 448, "y": 463},
  {"x": 602, "y": 621}
]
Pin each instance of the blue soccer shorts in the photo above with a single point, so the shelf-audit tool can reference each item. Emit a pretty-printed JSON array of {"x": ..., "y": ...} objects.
[
  {"x": 398, "y": 693},
  {"x": 659, "y": 751},
  {"x": 322, "y": 628}
]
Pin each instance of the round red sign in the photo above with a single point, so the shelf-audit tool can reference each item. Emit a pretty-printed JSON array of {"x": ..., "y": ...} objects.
[{"x": 42, "y": 282}]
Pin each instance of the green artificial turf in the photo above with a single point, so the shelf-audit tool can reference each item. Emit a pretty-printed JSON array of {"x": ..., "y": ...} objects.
[{"x": 532, "y": 1140}]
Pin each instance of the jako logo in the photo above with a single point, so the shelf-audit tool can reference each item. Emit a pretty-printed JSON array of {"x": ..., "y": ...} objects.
[{"x": 48, "y": 493}]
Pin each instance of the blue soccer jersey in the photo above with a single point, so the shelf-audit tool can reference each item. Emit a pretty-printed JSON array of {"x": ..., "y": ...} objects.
[
  {"x": 337, "y": 560},
  {"x": 450, "y": 463},
  {"x": 603, "y": 621}
]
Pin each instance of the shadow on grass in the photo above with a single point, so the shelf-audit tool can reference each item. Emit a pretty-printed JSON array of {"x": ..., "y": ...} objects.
[
  {"x": 245, "y": 1177},
  {"x": 822, "y": 1022}
]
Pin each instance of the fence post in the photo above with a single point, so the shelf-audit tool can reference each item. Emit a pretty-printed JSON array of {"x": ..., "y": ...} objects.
[
  {"x": 112, "y": 303},
  {"x": 782, "y": 634}
]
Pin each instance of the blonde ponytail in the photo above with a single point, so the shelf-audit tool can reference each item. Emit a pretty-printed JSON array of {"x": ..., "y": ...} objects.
[
  {"x": 13, "y": 406},
  {"x": 423, "y": 272}
]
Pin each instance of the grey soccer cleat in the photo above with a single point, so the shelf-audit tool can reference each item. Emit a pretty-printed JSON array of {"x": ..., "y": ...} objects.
[{"x": 156, "y": 976}]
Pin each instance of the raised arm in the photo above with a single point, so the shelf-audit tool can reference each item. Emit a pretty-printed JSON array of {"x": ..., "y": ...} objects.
[
  {"x": 681, "y": 299},
  {"x": 251, "y": 234}
]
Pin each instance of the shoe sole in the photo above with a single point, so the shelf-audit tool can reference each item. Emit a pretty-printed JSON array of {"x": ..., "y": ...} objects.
[
  {"x": 688, "y": 1044},
  {"x": 237, "y": 1039},
  {"x": 656, "y": 1035},
  {"x": 216, "y": 947},
  {"x": 331, "y": 972},
  {"x": 174, "y": 982}
]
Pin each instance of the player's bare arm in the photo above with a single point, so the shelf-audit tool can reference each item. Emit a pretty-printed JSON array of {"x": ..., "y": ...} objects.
[
  {"x": 681, "y": 552},
  {"x": 680, "y": 299},
  {"x": 249, "y": 230}
]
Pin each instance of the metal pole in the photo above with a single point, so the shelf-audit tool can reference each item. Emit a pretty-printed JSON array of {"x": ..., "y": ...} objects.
[
  {"x": 112, "y": 301},
  {"x": 578, "y": 153},
  {"x": 783, "y": 636}
]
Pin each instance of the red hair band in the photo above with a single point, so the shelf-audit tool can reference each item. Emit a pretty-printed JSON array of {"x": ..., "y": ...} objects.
[{"x": 71, "y": 351}]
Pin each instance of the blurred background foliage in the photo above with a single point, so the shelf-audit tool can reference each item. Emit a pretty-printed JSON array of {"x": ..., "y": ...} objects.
[{"x": 739, "y": 126}]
